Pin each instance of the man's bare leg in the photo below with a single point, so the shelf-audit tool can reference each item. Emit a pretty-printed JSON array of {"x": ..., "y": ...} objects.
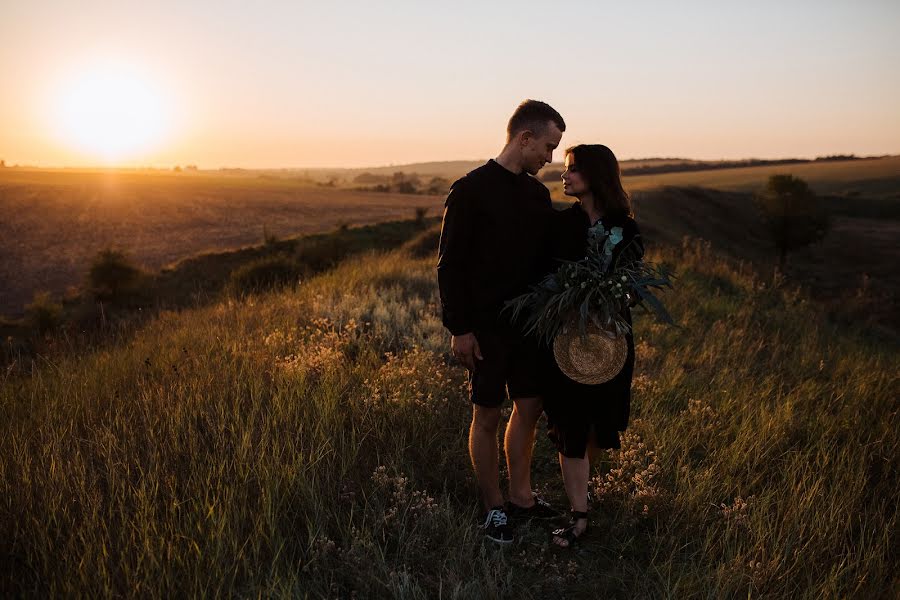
[
  {"x": 484, "y": 454},
  {"x": 519, "y": 446}
]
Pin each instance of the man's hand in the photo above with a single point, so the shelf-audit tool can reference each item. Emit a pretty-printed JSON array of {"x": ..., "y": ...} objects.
[{"x": 465, "y": 349}]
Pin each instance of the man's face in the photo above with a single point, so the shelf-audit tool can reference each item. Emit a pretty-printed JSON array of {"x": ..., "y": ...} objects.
[{"x": 537, "y": 150}]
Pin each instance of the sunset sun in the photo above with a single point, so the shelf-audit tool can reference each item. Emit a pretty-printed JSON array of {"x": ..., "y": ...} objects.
[{"x": 111, "y": 113}]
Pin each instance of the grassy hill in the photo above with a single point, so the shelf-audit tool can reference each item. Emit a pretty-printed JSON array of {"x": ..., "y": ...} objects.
[
  {"x": 872, "y": 178},
  {"x": 311, "y": 442}
]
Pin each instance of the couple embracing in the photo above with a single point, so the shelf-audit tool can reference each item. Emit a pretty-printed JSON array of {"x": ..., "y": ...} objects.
[{"x": 501, "y": 235}]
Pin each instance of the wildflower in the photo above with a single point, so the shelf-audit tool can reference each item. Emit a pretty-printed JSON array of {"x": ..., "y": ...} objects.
[
  {"x": 633, "y": 474},
  {"x": 324, "y": 545},
  {"x": 644, "y": 350},
  {"x": 379, "y": 476},
  {"x": 643, "y": 383},
  {"x": 738, "y": 511}
]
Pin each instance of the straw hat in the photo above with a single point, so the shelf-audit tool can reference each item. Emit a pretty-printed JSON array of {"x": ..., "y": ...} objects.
[{"x": 593, "y": 358}]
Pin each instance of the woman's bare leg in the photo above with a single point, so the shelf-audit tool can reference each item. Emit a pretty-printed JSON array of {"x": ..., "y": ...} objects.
[{"x": 576, "y": 473}]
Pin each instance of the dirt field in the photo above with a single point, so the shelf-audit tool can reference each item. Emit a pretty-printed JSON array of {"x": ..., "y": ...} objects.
[{"x": 52, "y": 223}]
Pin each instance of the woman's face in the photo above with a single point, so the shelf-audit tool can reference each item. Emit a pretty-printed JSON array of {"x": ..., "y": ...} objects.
[{"x": 574, "y": 183}]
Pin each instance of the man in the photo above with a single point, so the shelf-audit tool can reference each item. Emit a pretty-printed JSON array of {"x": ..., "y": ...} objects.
[{"x": 493, "y": 246}]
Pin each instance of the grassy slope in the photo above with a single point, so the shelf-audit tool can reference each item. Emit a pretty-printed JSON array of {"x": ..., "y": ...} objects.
[
  {"x": 204, "y": 278},
  {"x": 313, "y": 442}
]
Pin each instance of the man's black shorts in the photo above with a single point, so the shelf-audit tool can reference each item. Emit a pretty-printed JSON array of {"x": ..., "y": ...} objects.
[{"x": 510, "y": 363}]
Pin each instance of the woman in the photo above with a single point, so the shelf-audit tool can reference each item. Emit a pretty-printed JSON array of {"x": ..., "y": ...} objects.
[{"x": 582, "y": 417}]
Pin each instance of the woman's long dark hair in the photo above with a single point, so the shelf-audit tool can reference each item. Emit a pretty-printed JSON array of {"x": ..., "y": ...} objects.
[{"x": 599, "y": 166}]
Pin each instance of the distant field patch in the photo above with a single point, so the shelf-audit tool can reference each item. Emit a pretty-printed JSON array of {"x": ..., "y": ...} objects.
[{"x": 871, "y": 178}]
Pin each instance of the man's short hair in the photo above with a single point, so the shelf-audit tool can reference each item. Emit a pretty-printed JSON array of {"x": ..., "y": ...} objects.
[{"x": 533, "y": 115}]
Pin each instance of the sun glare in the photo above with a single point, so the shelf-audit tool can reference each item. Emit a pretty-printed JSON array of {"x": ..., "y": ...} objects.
[{"x": 111, "y": 113}]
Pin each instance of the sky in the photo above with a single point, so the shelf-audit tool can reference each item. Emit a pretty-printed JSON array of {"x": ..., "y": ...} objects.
[{"x": 352, "y": 84}]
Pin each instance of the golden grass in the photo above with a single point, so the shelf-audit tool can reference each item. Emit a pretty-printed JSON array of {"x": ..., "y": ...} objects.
[
  {"x": 312, "y": 443},
  {"x": 873, "y": 177}
]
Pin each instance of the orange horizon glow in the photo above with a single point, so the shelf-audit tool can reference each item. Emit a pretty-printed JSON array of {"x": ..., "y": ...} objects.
[{"x": 298, "y": 85}]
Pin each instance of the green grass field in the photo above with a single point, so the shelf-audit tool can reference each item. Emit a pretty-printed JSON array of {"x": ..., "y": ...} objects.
[{"x": 311, "y": 443}]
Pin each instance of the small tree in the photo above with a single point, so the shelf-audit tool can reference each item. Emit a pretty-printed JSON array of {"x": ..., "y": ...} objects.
[
  {"x": 112, "y": 275},
  {"x": 405, "y": 187},
  {"x": 795, "y": 216},
  {"x": 438, "y": 185}
]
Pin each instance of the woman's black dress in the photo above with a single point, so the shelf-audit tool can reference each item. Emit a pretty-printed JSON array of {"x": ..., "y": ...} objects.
[{"x": 575, "y": 409}]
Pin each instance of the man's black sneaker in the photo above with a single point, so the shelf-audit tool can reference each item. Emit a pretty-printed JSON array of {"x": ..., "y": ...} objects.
[
  {"x": 540, "y": 510},
  {"x": 496, "y": 526}
]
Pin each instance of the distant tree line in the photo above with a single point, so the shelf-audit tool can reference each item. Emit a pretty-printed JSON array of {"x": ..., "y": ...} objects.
[
  {"x": 835, "y": 157},
  {"x": 401, "y": 183},
  {"x": 678, "y": 167}
]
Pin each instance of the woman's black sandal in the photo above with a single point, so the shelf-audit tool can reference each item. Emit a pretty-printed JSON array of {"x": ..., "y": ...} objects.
[{"x": 568, "y": 533}]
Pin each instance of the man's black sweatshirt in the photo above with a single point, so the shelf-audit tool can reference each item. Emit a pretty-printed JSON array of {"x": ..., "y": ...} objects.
[{"x": 494, "y": 244}]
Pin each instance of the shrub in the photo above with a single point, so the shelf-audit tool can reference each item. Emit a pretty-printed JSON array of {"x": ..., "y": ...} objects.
[
  {"x": 112, "y": 275},
  {"x": 264, "y": 274},
  {"x": 438, "y": 185},
  {"x": 43, "y": 314},
  {"x": 405, "y": 187},
  {"x": 323, "y": 253}
]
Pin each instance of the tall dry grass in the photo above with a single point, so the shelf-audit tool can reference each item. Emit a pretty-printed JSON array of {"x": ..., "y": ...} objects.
[{"x": 312, "y": 443}]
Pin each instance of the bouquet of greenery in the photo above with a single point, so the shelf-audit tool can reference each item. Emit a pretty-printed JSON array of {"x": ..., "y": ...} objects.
[{"x": 594, "y": 289}]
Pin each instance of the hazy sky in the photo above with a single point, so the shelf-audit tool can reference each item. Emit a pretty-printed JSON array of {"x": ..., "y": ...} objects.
[{"x": 282, "y": 84}]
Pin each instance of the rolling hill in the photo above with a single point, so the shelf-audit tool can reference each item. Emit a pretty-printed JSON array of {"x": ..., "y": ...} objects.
[{"x": 311, "y": 442}]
